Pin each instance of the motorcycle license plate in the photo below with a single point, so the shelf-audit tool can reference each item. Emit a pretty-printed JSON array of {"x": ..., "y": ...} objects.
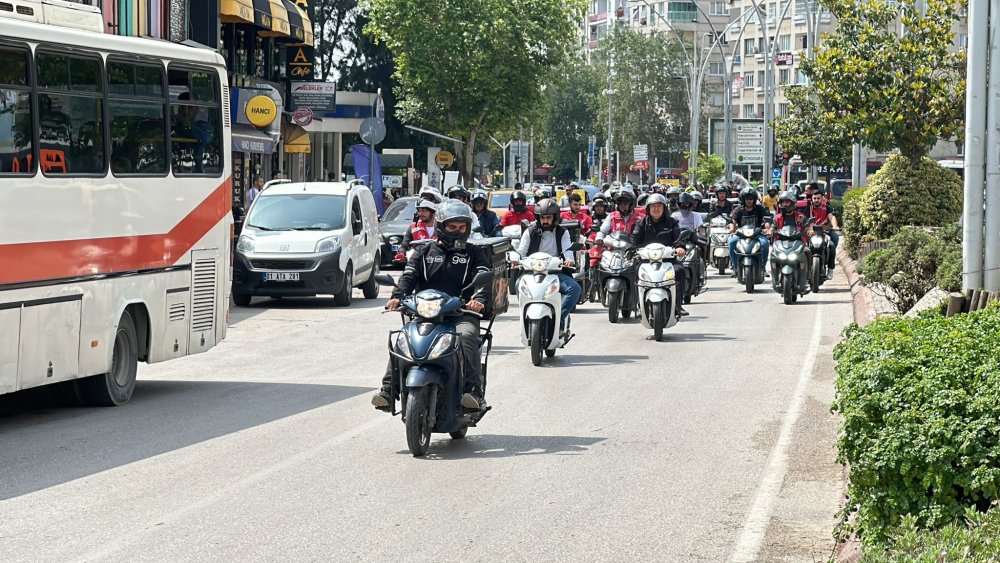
[
  {"x": 395, "y": 247},
  {"x": 281, "y": 276}
]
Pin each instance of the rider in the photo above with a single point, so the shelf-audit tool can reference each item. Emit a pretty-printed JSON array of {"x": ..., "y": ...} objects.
[
  {"x": 421, "y": 229},
  {"x": 673, "y": 198},
  {"x": 564, "y": 201},
  {"x": 687, "y": 218},
  {"x": 488, "y": 220},
  {"x": 770, "y": 201},
  {"x": 699, "y": 202},
  {"x": 822, "y": 212},
  {"x": 624, "y": 217},
  {"x": 447, "y": 266},
  {"x": 576, "y": 213},
  {"x": 722, "y": 206},
  {"x": 659, "y": 227},
  {"x": 599, "y": 208},
  {"x": 752, "y": 213},
  {"x": 789, "y": 215},
  {"x": 518, "y": 210},
  {"x": 459, "y": 193},
  {"x": 547, "y": 236}
]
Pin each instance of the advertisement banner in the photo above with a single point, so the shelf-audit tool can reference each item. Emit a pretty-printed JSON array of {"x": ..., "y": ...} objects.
[{"x": 320, "y": 97}]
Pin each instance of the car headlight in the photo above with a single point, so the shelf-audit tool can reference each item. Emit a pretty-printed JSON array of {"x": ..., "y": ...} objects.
[
  {"x": 553, "y": 288},
  {"x": 441, "y": 345},
  {"x": 428, "y": 308},
  {"x": 403, "y": 345},
  {"x": 329, "y": 244},
  {"x": 245, "y": 244},
  {"x": 540, "y": 266},
  {"x": 655, "y": 254}
]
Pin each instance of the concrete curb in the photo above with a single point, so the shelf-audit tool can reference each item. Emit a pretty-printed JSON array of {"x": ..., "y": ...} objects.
[{"x": 864, "y": 305}]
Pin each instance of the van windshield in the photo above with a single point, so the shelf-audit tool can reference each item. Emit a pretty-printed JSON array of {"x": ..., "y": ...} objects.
[{"x": 298, "y": 212}]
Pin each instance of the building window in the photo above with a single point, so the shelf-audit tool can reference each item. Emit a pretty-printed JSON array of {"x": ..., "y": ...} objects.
[
  {"x": 748, "y": 80},
  {"x": 802, "y": 79},
  {"x": 782, "y": 110},
  {"x": 716, "y": 99},
  {"x": 718, "y": 9},
  {"x": 682, "y": 11},
  {"x": 760, "y": 79},
  {"x": 71, "y": 117},
  {"x": 750, "y": 46},
  {"x": 963, "y": 41},
  {"x": 748, "y": 112},
  {"x": 716, "y": 68},
  {"x": 784, "y": 75},
  {"x": 760, "y": 111},
  {"x": 784, "y": 43}
]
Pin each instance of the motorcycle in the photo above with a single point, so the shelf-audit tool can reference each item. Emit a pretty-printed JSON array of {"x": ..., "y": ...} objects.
[
  {"x": 618, "y": 276},
  {"x": 719, "y": 236},
  {"x": 513, "y": 232},
  {"x": 426, "y": 362},
  {"x": 789, "y": 267},
  {"x": 748, "y": 254},
  {"x": 657, "y": 288},
  {"x": 693, "y": 265},
  {"x": 820, "y": 246},
  {"x": 541, "y": 305},
  {"x": 595, "y": 290}
]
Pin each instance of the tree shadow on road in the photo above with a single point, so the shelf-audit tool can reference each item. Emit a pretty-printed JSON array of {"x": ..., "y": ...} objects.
[
  {"x": 43, "y": 443},
  {"x": 504, "y": 445}
]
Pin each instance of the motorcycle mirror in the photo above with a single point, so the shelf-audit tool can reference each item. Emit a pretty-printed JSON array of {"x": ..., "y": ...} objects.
[
  {"x": 385, "y": 279},
  {"x": 685, "y": 234},
  {"x": 525, "y": 223},
  {"x": 478, "y": 229},
  {"x": 575, "y": 247},
  {"x": 479, "y": 280}
]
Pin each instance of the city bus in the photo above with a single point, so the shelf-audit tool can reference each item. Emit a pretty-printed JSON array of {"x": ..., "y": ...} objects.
[{"x": 115, "y": 206}]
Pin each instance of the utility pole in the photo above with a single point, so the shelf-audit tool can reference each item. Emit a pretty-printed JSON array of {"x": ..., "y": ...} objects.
[
  {"x": 520, "y": 146},
  {"x": 976, "y": 101},
  {"x": 531, "y": 157}
]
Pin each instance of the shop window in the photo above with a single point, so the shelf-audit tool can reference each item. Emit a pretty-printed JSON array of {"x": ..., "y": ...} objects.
[
  {"x": 70, "y": 114},
  {"x": 138, "y": 119},
  {"x": 16, "y": 147},
  {"x": 195, "y": 122}
]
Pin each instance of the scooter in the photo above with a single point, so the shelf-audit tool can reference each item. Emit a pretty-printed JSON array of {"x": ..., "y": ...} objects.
[
  {"x": 541, "y": 305},
  {"x": 719, "y": 236},
  {"x": 693, "y": 265},
  {"x": 789, "y": 266},
  {"x": 595, "y": 293},
  {"x": 748, "y": 255},
  {"x": 657, "y": 288},
  {"x": 426, "y": 362},
  {"x": 512, "y": 232},
  {"x": 618, "y": 275},
  {"x": 819, "y": 245}
]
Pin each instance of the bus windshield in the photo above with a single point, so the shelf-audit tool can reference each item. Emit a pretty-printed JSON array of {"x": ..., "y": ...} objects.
[{"x": 297, "y": 212}]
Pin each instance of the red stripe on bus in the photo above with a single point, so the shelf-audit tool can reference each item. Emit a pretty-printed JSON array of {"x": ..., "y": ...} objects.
[{"x": 36, "y": 261}]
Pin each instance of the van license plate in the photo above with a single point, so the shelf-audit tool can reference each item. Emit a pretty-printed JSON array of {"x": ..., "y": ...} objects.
[{"x": 281, "y": 276}]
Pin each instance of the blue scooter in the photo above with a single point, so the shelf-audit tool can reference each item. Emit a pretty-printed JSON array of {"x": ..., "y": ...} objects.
[{"x": 426, "y": 361}]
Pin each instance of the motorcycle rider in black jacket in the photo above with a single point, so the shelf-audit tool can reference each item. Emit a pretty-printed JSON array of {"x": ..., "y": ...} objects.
[{"x": 658, "y": 226}]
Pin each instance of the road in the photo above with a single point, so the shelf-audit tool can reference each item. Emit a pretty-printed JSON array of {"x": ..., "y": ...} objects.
[{"x": 716, "y": 444}]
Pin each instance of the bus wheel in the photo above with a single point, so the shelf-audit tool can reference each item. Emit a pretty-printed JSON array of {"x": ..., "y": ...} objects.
[{"x": 115, "y": 387}]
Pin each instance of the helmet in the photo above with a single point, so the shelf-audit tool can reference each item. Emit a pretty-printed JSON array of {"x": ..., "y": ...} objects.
[
  {"x": 788, "y": 196},
  {"x": 673, "y": 190},
  {"x": 656, "y": 198},
  {"x": 626, "y": 195},
  {"x": 748, "y": 192},
  {"x": 543, "y": 193},
  {"x": 431, "y": 194},
  {"x": 457, "y": 192},
  {"x": 642, "y": 200},
  {"x": 518, "y": 195},
  {"x": 686, "y": 199},
  {"x": 549, "y": 207},
  {"x": 425, "y": 204},
  {"x": 698, "y": 198},
  {"x": 599, "y": 200},
  {"x": 479, "y": 195},
  {"x": 772, "y": 189},
  {"x": 720, "y": 189},
  {"x": 450, "y": 212}
]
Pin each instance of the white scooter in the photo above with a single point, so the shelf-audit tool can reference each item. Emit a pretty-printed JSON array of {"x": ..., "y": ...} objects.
[
  {"x": 719, "y": 236},
  {"x": 657, "y": 288},
  {"x": 541, "y": 306}
]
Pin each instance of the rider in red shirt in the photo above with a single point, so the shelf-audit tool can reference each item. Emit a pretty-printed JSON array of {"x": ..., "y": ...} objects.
[
  {"x": 575, "y": 213},
  {"x": 422, "y": 229},
  {"x": 624, "y": 217},
  {"x": 518, "y": 210}
]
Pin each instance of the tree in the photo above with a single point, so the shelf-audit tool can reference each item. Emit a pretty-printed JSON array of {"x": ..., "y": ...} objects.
[
  {"x": 572, "y": 115},
  {"x": 710, "y": 167},
  {"x": 332, "y": 19},
  {"x": 888, "y": 91},
  {"x": 808, "y": 133},
  {"x": 649, "y": 106},
  {"x": 469, "y": 66}
]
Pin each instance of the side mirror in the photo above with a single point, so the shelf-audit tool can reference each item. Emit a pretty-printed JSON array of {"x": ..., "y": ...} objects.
[
  {"x": 385, "y": 279},
  {"x": 478, "y": 229},
  {"x": 576, "y": 247},
  {"x": 481, "y": 279},
  {"x": 525, "y": 223},
  {"x": 685, "y": 235}
]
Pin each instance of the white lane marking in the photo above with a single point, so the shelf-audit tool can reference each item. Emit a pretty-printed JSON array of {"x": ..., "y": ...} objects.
[
  {"x": 755, "y": 525},
  {"x": 229, "y": 491}
]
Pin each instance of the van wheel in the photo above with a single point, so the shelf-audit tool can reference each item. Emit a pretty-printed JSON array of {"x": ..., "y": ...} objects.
[
  {"x": 370, "y": 288},
  {"x": 343, "y": 297},
  {"x": 241, "y": 299},
  {"x": 115, "y": 387}
]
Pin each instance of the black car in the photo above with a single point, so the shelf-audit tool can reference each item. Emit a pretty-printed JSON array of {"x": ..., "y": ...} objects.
[{"x": 394, "y": 222}]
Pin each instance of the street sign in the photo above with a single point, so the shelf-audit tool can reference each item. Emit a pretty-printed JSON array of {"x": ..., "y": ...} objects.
[
  {"x": 640, "y": 152},
  {"x": 372, "y": 131},
  {"x": 303, "y": 116},
  {"x": 775, "y": 173},
  {"x": 776, "y": 182},
  {"x": 444, "y": 159}
]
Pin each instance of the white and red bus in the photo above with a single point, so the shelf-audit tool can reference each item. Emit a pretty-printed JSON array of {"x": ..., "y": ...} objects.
[{"x": 115, "y": 206}]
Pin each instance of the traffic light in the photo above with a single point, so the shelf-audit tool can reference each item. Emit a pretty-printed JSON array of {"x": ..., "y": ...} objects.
[
  {"x": 517, "y": 163},
  {"x": 785, "y": 157}
]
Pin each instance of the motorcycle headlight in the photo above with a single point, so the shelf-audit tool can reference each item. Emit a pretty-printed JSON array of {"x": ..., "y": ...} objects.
[
  {"x": 817, "y": 240},
  {"x": 782, "y": 256},
  {"x": 655, "y": 254},
  {"x": 329, "y": 244},
  {"x": 540, "y": 266},
  {"x": 428, "y": 308},
  {"x": 403, "y": 345},
  {"x": 441, "y": 345},
  {"x": 245, "y": 244},
  {"x": 793, "y": 256},
  {"x": 395, "y": 240},
  {"x": 553, "y": 288}
]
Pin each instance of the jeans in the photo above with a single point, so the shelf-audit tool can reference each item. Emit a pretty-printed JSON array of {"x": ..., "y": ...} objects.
[
  {"x": 831, "y": 260},
  {"x": 468, "y": 338},
  {"x": 761, "y": 258},
  {"x": 570, "y": 291},
  {"x": 680, "y": 281}
]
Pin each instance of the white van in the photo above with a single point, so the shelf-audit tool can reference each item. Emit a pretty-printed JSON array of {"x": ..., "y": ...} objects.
[{"x": 308, "y": 238}]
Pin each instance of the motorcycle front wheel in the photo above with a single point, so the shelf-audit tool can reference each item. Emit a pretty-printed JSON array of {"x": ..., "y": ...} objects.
[
  {"x": 749, "y": 278},
  {"x": 418, "y": 427},
  {"x": 659, "y": 319},
  {"x": 721, "y": 265},
  {"x": 817, "y": 274},
  {"x": 535, "y": 341},
  {"x": 788, "y": 290},
  {"x": 614, "y": 304}
]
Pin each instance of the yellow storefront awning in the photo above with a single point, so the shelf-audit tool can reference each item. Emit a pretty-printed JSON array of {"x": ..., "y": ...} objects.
[
  {"x": 236, "y": 11},
  {"x": 279, "y": 21},
  {"x": 296, "y": 139}
]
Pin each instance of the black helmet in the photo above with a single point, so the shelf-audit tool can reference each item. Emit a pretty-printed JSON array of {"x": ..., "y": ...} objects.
[
  {"x": 748, "y": 192},
  {"x": 518, "y": 195},
  {"x": 626, "y": 196},
  {"x": 787, "y": 196},
  {"x": 599, "y": 200},
  {"x": 453, "y": 211},
  {"x": 458, "y": 192},
  {"x": 549, "y": 207},
  {"x": 720, "y": 189},
  {"x": 685, "y": 199}
]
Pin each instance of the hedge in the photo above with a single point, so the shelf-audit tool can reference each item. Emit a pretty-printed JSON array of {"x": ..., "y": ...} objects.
[
  {"x": 975, "y": 541},
  {"x": 912, "y": 263},
  {"x": 920, "y": 406}
]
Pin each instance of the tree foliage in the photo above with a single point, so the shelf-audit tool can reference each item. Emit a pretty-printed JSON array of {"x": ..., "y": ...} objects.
[
  {"x": 888, "y": 91},
  {"x": 808, "y": 133},
  {"x": 573, "y": 98},
  {"x": 649, "y": 107},
  {"x": 333, "y": 19},
  {"x": 469, "y": 66},
  {"x": 710, "y": 167}
]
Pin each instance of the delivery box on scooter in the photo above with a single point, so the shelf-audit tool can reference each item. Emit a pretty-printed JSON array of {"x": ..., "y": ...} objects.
[{"x": 496, "y": 252}]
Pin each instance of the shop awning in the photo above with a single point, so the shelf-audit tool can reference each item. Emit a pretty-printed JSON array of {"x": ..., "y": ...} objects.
[
  {"x": 307, "y": 26},
  {"x": 247, "y": 138},
  {"x": 279, "y": 21},
  {"x": 296, "y": 139},
  {"x": 295, "y": 22},
  {"x": 262, "y": 13},
  {"x": 236, "y": 11}
]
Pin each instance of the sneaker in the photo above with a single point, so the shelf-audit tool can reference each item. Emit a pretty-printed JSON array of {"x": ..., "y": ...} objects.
[
  {"x": 681, "y": 312},
  {"x": 382, "y": 399},
  {"x": 829, "y": 274},
  {"x": 473, "y": 399}
]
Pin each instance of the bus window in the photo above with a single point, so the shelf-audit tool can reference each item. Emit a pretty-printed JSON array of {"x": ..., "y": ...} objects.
[
  {"x": 15, "y": 113},
  {"x": 136, "y": 108},
  {"x": 70, "y": 116},
  {"x": 195, "y": 122}
]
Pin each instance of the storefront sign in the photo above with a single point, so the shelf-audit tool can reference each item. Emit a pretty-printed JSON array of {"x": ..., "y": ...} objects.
[
  {"x": 318, "y": 96},
  {"x": 784, "y": 59},
  {"x": 444, "y": 159},
  {"x": 261, "y": 111},
  {"x": 302, "y": 116},
  {"x": 300, "y": 62}
]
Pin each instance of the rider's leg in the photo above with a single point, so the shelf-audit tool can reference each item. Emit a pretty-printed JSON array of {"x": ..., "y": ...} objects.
[
  {"x": 680, "y": 277},
  {"x": 570, "y": 291},
  {"x": 732, "y": 252},
  {"x": 381, "y": 399},
  {"x": 765, "y": 245},
  {"x": 831, "y": 260},
  {"x": 468, "y": 339}
]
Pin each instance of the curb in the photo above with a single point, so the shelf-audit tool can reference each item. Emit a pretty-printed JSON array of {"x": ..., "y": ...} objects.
[{"x": 864, "y": 305}]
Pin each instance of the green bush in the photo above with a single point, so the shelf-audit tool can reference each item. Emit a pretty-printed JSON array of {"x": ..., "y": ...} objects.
[
  {"x": 850, "y": 222},
  {"x": 977, "y": 541},
  {"x": 912, "y": 263},
  {"x": 899, "y": 195},
  {"x": 920, "y": 406}
]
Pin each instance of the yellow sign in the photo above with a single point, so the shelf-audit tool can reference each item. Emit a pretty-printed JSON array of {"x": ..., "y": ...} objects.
[
  {"x": 261, "y": 111},
  {"x": 444, "y": 159}
]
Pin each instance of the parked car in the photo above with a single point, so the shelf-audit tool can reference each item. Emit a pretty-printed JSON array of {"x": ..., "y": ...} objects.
[
  {"x": 306, "y": 239},
  {"x": 395, "y": 221}
]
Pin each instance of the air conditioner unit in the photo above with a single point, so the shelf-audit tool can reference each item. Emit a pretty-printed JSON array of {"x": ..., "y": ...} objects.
[{"x": 78, "y": 14}]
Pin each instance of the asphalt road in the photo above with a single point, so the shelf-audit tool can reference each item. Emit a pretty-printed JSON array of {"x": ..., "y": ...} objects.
[{"x": 716, "y": 444}]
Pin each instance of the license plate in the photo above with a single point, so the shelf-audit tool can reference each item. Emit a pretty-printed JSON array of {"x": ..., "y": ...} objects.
[
  {"x": 395, "y": 247},
  {"x": 281, "y": 276}
]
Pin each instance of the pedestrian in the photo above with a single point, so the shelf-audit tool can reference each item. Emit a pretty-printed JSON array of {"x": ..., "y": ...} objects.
[{"x": 258, "y": 184}]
